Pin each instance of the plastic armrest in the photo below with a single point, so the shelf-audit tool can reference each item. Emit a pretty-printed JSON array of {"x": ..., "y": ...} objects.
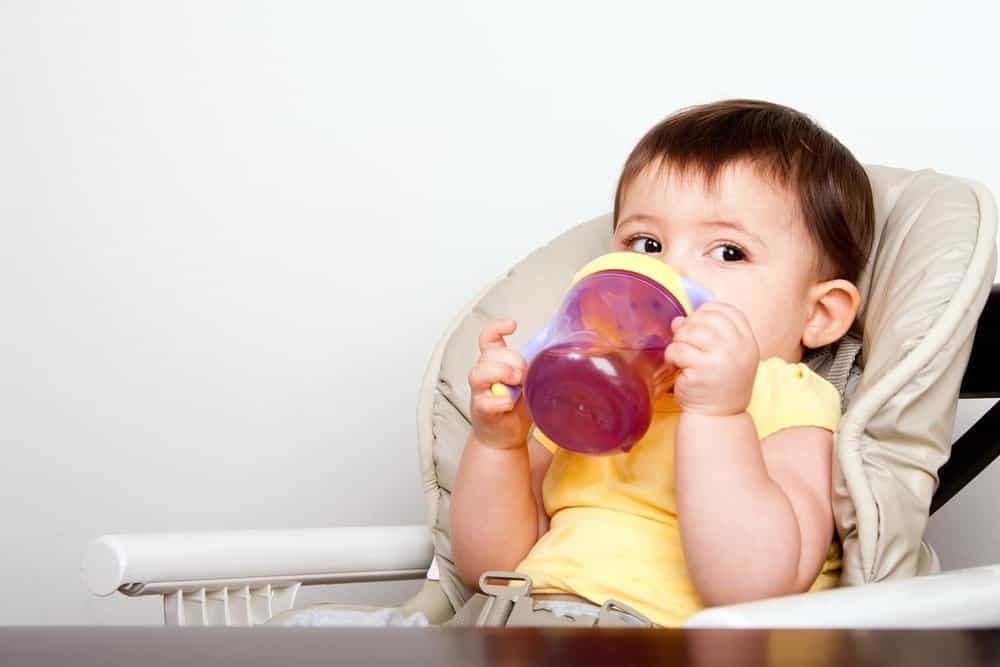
[
  {"x": 960, "y": 598},
  {"x": 151, "y": 563}
]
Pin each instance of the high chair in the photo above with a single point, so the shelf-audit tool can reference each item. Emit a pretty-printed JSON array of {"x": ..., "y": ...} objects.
[{"x": 900, "y": 373}]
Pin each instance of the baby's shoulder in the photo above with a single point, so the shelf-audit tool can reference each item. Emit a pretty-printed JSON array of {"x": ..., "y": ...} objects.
[
  {"x": 776, "y": 372},
  {"x": 792, "y": 394}
]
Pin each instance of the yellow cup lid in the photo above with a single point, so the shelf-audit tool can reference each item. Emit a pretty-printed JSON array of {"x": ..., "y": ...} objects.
[{"x": 644, "y": 265}]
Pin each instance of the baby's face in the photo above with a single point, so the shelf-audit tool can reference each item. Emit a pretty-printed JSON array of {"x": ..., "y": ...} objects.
[{"x": 746, "y": 241}]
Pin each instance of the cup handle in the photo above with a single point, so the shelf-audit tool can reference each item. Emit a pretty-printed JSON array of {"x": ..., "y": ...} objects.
[
  {"x": 696, "y": 294},
  {"x": 500, "y": 389},
  {"x": 529, "y": 351}
]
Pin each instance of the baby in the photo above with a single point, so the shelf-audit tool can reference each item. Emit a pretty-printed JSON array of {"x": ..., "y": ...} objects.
[{"x": 727, "y": 496}]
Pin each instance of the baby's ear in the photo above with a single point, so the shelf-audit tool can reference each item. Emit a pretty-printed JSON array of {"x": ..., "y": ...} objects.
[{"x": 833, "y": 305}]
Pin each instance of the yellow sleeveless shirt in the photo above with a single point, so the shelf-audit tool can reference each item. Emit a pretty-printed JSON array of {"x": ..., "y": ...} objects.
[{"x": 613, "y": 530}]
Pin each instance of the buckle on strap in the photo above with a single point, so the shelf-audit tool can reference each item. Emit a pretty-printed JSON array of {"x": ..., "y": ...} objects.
[
  {"x": 607, "y": 615},
  {"x": 501, "y": 598}
]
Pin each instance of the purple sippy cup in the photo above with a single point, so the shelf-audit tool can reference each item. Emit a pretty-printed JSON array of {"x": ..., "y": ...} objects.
[{"x": 597, "y": 367}]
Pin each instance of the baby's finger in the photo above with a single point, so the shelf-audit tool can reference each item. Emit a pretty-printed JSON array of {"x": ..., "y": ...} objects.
[
  {"x": 505, "y": 355},
  {"x": 488, "y": 405},
  {"x": 728, "y": 313},
  {"x": 676, "y": 323},
  {"x": 493, "y": 333},
  {"x": 487, "y": 373},
  {"x": 697, "y": 334},
  {"x": 681, "y": 355}
]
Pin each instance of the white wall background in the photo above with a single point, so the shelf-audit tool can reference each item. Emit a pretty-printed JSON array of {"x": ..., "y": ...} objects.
[{"x": 231, "y": 233}]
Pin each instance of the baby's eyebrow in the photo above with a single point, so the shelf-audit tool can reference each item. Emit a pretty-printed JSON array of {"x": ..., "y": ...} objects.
[
  {"x": 637, "y": 218},
  {"x": 738, "y": 226}
]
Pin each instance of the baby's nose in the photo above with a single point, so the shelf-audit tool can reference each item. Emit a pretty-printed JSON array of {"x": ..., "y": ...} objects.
[{"x": 678, "y": 264}]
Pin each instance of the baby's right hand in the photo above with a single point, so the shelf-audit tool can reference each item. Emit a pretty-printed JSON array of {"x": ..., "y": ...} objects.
[{"x": 496, "y": 420}]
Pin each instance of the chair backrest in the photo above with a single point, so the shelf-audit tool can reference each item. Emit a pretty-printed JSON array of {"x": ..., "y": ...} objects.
[{"x": 930, "y": 271}]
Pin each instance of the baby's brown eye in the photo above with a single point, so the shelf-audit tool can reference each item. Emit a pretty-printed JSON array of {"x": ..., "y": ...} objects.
[
  {"x": 728, "y": 253},
  {"x": 644, "y": 244}
]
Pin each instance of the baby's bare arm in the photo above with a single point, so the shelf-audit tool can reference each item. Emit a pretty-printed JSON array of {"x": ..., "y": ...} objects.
[
  {"x": 755, "y": 517},
  {"x": 496, "y": 514},
  {"x": 541, "y": 458}
]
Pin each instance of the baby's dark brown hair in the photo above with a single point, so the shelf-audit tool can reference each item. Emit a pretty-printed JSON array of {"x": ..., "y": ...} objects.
[{"x": 833, "y": 191}]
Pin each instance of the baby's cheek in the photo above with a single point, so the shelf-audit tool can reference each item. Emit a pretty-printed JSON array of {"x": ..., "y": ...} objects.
[{"x": 775, "y": 329}]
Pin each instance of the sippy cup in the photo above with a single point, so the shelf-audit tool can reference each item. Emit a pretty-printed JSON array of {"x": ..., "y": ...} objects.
[{"x": 597, "y": 367}]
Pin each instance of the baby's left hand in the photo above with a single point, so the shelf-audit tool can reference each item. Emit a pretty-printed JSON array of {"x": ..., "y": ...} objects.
[{"x": 717, "y": 356}]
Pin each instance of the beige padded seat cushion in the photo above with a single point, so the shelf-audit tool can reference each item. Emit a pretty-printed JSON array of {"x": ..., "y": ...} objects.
[{"x": 933, "y": 263}]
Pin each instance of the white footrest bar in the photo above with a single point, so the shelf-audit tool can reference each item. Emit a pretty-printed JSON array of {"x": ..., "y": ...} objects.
[
  {"x": 956, "y": 599},
  {"x": 164, "y": 563}
]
